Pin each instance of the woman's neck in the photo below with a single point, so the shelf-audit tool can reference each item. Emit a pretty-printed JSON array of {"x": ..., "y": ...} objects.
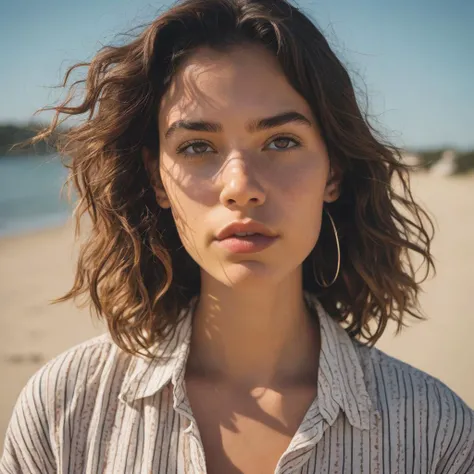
[{"x": 248, "y": 338}]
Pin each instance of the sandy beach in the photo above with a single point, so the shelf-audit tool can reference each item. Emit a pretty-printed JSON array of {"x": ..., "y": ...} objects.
[{"x": 38, "y": 267}]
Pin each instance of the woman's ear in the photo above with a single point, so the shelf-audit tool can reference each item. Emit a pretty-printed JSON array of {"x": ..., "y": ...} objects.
[
  {"x": 151, "y": 163},
  {"x": 333, "y": 185}
]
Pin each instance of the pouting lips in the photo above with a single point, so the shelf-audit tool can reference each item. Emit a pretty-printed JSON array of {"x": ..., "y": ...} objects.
[
  {"x": 239, "y": 228},
  {"x": 247, "y": 243}
]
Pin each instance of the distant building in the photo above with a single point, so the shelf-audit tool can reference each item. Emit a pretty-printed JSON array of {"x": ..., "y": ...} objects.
[
  {"x": 447, "y": 164},
  {"x": 410, "y": 159}
]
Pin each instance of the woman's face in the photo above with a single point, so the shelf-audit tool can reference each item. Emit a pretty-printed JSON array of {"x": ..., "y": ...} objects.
[{"x": 217, "y": 165}]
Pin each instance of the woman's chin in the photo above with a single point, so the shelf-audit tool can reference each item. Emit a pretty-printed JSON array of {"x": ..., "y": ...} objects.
[{"x": 250, "y": 272}]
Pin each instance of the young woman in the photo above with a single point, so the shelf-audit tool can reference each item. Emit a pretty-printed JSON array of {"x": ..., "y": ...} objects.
[{"x": 248, "y": 247}]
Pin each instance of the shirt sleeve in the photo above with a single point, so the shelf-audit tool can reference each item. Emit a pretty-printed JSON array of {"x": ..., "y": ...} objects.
[
  {"x": 458, "y": 457},
  {"x": 28, "y": 447}
]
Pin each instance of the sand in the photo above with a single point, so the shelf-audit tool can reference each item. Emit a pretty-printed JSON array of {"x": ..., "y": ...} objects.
[{"x": 38, "y": 267}]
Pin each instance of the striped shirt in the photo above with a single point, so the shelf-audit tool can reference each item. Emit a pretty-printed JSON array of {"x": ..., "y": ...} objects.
[{"x": 96, "y": 409}]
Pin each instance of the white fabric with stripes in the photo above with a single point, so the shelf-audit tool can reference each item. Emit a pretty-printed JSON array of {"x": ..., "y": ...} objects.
[{"x": 95, "y": 409}]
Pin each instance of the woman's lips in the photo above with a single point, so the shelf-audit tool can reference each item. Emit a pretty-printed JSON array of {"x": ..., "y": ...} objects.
[{"x": 246, "y": 244}]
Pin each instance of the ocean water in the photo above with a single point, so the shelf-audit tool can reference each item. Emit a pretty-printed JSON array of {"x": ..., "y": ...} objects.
[{"x": 30, "y": 194}]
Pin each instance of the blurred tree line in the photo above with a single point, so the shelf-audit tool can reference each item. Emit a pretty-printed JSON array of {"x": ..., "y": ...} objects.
[
  {"x": 13, "y": 137},
  {"x": 463, "y": 162}
]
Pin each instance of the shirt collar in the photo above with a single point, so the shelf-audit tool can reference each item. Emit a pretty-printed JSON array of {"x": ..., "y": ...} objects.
[
  {"x": 146, "y": 376},
  {"x": 341, "y": 383}
]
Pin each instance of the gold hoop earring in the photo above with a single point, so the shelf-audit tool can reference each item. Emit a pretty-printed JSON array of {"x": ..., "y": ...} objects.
[{"x": 324, "y": 284}]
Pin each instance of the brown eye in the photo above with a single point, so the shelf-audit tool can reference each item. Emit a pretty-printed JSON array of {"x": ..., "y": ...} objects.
[
  {"x": 284, "y": 143},
  {"x": 195, "y": 148},
  {"x": 199, "y": 148}
]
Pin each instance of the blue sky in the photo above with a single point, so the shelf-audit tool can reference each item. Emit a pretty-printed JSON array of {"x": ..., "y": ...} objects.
[{"x": 414, "y": 58}]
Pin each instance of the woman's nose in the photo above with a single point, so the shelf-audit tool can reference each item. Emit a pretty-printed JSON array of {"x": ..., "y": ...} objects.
[{"x": 240, "y": 186}]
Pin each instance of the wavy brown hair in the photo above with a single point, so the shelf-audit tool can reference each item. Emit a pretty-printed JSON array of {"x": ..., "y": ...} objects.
[{"x": 133, "y": 268}]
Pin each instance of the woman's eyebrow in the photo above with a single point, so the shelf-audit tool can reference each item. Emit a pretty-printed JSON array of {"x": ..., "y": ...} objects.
[{"x": 253, "y": 126}]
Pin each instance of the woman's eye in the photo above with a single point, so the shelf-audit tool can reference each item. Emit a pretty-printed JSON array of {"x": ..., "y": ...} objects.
[
  {"x": 284, "y": 143},
  {"x": 196, "y": 148},
  {"x": 201, "y": 148}
]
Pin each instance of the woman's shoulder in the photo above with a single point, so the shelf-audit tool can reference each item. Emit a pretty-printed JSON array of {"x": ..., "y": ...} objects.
[
  {"x": 419, "y": 402},
  {"x": 398, "y": 380},
  {"x": 68, "y": 386},
  {"x": 79, "y": 371},
  {"x": 413, "y": 378},
  {"x": 85, "y": 367},
  {"x": 76, "y": 364}
]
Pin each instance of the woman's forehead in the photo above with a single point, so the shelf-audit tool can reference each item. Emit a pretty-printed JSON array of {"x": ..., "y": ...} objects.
[{"x": 244, "y": 81}]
